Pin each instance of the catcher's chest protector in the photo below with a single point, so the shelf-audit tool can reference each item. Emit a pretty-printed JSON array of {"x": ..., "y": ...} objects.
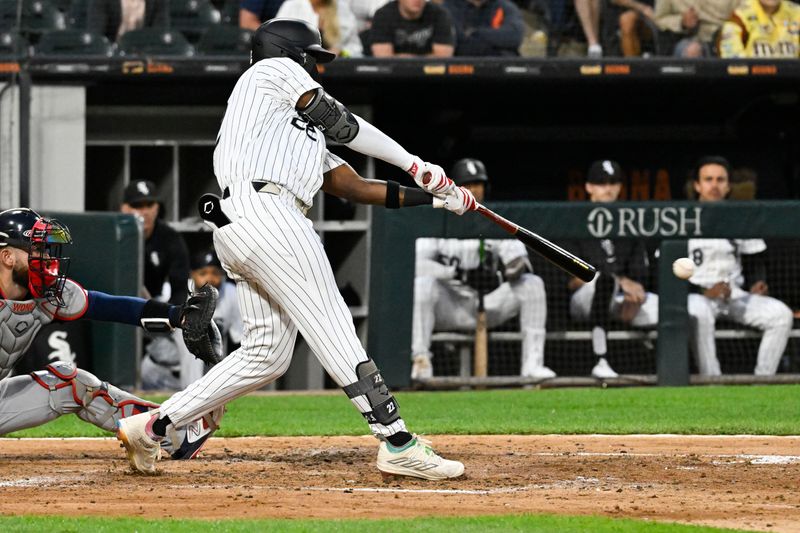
[{"x": 21, "y": 320}]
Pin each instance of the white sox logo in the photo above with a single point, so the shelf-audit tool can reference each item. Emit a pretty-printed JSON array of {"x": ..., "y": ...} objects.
[{"x": 644, "y": 222}]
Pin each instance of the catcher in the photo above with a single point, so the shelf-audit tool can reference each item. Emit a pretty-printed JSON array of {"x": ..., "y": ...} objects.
[{"x": 35, "y": 290}]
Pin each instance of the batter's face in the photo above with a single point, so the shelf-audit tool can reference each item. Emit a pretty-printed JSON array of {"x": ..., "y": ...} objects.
[
  {"x": 208, "y": 274},
  {"x": 712, "y": 184},
  {"x": 147, "y": 213},
  {"x": 603, "y": 192},
  {"x": 770, "y": 4}
]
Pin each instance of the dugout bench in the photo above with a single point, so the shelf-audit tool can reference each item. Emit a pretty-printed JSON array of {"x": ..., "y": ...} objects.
[{"x": 394, "y": 234}]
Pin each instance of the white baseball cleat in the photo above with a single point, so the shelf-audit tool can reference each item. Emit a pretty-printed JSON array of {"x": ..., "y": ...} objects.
[
  {"x": 142, "y": 450},
  {"x": 538, "y": 372},
  {"x": 422, "y": 367},
  {"x": 417, "y": 459},
  {"x": 602, "y": 370}
]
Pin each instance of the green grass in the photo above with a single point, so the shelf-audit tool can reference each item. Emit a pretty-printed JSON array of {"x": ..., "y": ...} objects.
[
  {"x": 528, "y": 523},
  {"x": 766, "y": 410}
]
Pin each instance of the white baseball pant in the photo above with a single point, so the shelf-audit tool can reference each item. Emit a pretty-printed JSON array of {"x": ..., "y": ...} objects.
[
  {"x": 284, "y": 284},
  {"x": 445, "y": 305}
]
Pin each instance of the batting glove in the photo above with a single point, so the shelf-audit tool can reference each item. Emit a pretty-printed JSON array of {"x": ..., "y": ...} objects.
[
  {"x": 459, "y": 200},
  {"x": 430, "y": 178}
]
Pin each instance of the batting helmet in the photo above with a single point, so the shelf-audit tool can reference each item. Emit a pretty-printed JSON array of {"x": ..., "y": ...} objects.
[
  {"x": 41, "y": 238},
  {"x": 469, "y": 171},
  {"x": 296, "y": 39}
]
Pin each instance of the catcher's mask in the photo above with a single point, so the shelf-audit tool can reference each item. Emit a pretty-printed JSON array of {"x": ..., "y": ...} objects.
[{"x": 42, "y": 239}]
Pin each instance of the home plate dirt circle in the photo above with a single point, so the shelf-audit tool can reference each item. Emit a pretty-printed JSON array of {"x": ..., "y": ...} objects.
[{"x": 750, "y": 482}]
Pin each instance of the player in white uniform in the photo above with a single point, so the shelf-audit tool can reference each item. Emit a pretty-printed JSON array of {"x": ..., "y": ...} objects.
[
  {"x": 444, "y": 299},
  {"x": 270, "y": 161},
  {"x": 34, "y": 291},
  {"x": 719, "y": 277}
]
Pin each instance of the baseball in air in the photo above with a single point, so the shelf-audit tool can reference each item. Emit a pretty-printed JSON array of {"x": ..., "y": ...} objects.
[{"x": 683, "y": 268}]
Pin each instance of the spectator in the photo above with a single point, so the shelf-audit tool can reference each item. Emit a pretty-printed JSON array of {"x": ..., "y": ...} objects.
[
  {"x": 723, "y": 268},
  {"x": 253, "y": 12},
  {"x": 617, "y": 292},
  {"x": 448, "y": 274},
  {"x": 632, "y": 26},
  {"x": 408, "y": 28},
  {"x": 693, "y": 24},
  {"x": 335, "y": 21},
  {"x": 166, "y": 270},
  {"x": 762, "y": 28},
  {"x": 112, "y": 18},
  {"x": 589, "y": 14},
  {"x": 364, "y": 11},
  {"x": 486, "y": 27}
]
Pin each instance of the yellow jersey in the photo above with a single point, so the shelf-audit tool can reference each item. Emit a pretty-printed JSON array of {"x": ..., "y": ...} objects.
[{"x": 750, "y": 32}]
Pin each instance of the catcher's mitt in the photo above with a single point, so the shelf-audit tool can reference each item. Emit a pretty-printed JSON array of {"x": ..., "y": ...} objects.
[{"x": 200, "y": 333}]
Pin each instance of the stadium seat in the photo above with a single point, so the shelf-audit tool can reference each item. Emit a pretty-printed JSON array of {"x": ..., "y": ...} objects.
[
  {"x": 37, "y": 16},
  {"x": 74, "y": 42},
  {"x": 12, "y": 46},
  {"x": 77, "y": 14},
  {"x": 192, "y": 17},
  {"x": 230, "y": 12},
  {"x": 154, "y": 41},
  {"x": 225, "y": 40}
]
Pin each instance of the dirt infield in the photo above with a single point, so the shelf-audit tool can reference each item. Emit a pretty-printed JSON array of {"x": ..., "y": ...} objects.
[{"x": 744, "y": 482}]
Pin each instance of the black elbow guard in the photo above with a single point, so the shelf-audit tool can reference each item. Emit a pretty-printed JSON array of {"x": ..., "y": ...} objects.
[{"x": 335, "y": 121}]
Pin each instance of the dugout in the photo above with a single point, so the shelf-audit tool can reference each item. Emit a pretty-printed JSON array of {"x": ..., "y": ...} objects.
[{"x": 76, "y": 130}]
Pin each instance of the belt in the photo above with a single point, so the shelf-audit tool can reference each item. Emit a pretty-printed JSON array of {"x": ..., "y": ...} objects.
[{"x": 270, "y": 188}]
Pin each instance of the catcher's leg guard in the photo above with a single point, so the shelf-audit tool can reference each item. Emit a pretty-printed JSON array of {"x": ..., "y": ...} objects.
[{"x": 73, "y": 390}]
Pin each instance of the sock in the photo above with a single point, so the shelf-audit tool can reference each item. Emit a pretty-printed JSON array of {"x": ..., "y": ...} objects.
[
  {"x": 160, "y": 426},
  {"x": 399, "y": 439}
]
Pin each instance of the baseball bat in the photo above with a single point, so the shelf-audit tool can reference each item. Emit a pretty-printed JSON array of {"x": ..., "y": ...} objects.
[
  {"x": 481, "y": 352},
  {"x": 566, "y": 261}
]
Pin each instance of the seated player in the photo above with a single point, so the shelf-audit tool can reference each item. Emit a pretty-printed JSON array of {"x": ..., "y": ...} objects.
[{"x": 445, "y": 296}]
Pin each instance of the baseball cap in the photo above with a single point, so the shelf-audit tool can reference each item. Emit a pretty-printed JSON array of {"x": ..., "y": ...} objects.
[
  {"x": 468, "y": 170},
  {"x": 604, "y": 171},
  {"x": 140, "y": 191},
  {"x": 203, "y": 259}
]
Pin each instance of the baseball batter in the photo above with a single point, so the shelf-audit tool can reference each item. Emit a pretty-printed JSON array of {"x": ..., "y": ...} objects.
[
  {"x": 719, "y": 278},
  {"x": 270, "y": 161},
  {"x": 34, "y": 291},
  {"x": 445, "y": 299}
]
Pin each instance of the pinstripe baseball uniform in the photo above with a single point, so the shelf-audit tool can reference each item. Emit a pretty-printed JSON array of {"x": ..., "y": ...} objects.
[
  {"x": 284, "y": 281},
  {"x": 444, "y": 301},
  {"x": 719, "y": 260}
]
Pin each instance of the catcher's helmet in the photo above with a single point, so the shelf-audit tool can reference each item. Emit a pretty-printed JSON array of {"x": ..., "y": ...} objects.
[
  {"x": 296, "y": 39},
  {"x": 469, "y": 171},
  {"x": 41, "y": 238}
]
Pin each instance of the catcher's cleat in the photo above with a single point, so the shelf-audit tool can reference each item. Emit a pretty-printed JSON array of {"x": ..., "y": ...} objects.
[
  {"x": 416, "y": 459},
  {"x": 143, "y": 451}
]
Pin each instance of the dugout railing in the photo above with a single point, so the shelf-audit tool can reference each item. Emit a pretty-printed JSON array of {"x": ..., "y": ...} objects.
[{"x": 665, "y": 226}]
